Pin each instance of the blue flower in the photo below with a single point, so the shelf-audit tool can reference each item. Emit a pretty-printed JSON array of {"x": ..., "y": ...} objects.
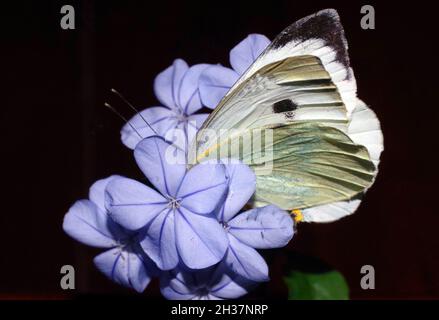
[
  {"x": 214, "y": 283},
  {"x": 261, "y": 228},
  {"x": 177, "y": 90},
  {"x": 125, "y": 263},
  {"x": 215, "y": 81},
  {"x": 176, "y": 222},
  {"x": 188, "y": 226}
]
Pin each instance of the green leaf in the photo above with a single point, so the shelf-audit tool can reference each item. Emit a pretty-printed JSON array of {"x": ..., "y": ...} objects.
[{"x": 317, "y": 286}]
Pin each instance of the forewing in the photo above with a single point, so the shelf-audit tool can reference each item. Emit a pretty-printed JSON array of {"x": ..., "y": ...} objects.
[
  {"x": 296, "y": 89},
  {"x": 305, "y": 71}
]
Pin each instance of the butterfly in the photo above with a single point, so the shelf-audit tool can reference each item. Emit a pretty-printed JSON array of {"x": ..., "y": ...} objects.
[{"x": 324, "y": 142}]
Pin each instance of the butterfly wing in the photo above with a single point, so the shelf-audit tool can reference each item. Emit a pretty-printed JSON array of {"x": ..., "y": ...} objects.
[
  {"x": 364, "y": 129},
  {"x": 302, "y": 92},
  {"x": 311, "y": 164}
]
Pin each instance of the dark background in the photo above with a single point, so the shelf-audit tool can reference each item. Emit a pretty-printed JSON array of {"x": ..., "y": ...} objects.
[{"x": 57, "y": 138}]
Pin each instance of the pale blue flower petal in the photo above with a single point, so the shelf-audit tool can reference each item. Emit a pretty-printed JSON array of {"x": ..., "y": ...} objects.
[
  {"x": 160, "y": 119},
  {"x": 246, "y": 261},
  {"x": 96, "y": 193},
  {"x": 162, "y": 163},
  {"x": 227, "y": 285},
  {"x": 203, "y": 187},
  {"x": 178, "y": 137},
  {"x": 201, "y": 240},
  {"x": 124, "y": 267},
  {"x": 159, "y": 241},
  {"x": 247, "y": 51},
  {"x": 213, "y": 283},
  {"x": 215, "y": 82},
  {"x": 241, "y": 186},
  {"x": 196, "y": 121},
  {"x": 263, "y": 228},
  {"x": 190, "y": 100},
  {"x": 173, "y": 286},
  {"x": 167, "y": 84},
  {"x": 230, "y": 288},
  {"x": 171, "y": 293},
  {"x": 132, "y": 204},
  {"x": 88, "y": 224}
]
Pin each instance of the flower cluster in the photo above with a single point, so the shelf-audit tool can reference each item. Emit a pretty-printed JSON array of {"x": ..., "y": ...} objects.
[
  {"x": 188, "y": 229},
  {"x": 184, "y": 90}
]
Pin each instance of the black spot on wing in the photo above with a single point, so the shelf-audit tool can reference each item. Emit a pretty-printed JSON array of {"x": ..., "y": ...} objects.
[
  {"x": 324, "y": 25},
  {"x": 284, "y": 106}
]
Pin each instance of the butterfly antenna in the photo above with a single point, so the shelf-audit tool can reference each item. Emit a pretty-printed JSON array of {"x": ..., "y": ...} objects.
[
  {"x": 123, "y": 118},
  {"x": 132, "y": 107}
]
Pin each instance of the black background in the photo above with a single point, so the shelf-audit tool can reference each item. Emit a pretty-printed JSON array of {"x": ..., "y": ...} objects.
[{"x": 57, "y": 138}]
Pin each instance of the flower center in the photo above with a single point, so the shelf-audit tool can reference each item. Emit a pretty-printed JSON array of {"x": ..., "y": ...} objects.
[
  {"x": 181, "y": 117},
  {"x": 122, "y": 245},
  {"x": 225, "y": 225},
  {"x": 173, "y": 203},
  {"x": 202, "y": 292}
]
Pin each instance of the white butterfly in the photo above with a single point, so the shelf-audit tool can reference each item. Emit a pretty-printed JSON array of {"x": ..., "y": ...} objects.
[{"x": 325, "y": 143}]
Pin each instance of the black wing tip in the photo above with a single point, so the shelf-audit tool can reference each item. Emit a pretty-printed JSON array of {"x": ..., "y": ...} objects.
[
  {"x": 325, "y": 25},
  {"x": 330, "y": 12}
]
